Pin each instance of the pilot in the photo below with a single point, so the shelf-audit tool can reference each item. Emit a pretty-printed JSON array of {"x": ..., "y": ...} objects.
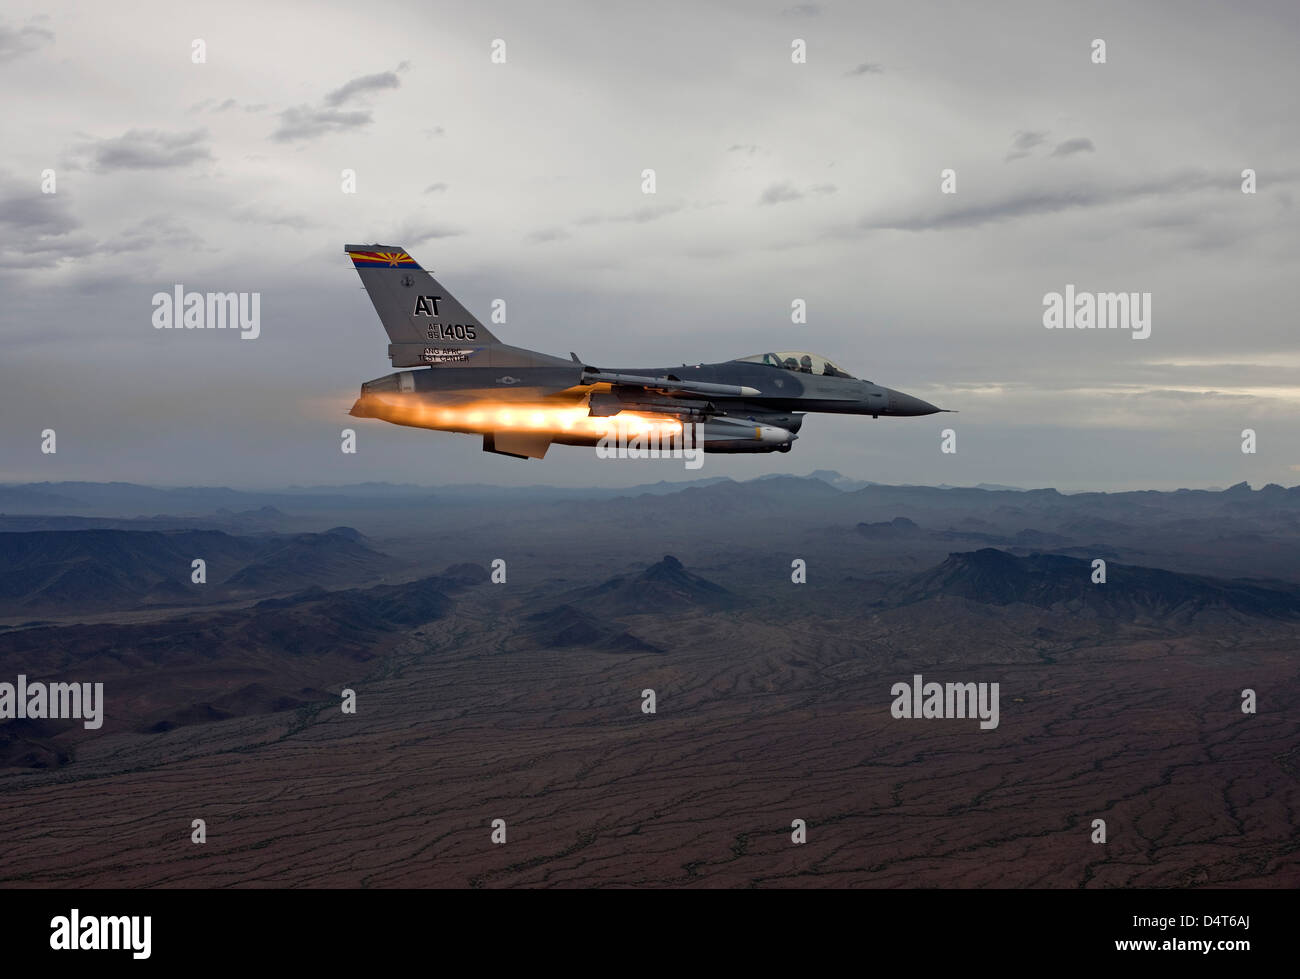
[
  {"x": 791, "y": 364},
  {"x": 828, "y": 370},
  {"x": 805, "y": 364}
]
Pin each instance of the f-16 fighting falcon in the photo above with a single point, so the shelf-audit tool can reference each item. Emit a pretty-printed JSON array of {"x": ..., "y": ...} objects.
[{"x": 521, "y": 401}]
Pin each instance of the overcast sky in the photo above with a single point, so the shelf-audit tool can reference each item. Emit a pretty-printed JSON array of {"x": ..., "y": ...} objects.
[{"x": 775, "y": 181}]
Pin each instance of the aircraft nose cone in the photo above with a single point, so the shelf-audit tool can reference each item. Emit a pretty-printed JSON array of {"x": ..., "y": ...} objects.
[{"x": 905, "y": 404}]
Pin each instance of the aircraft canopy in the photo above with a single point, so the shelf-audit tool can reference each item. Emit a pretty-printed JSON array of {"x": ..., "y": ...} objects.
[{"x": 797, "y": 360}]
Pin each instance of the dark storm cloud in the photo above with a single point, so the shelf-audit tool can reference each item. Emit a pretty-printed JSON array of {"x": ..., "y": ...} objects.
[
  {"x": 1080, "y": 144},
  {"x": 18, "y": 41},
  {"x": 359, "y": 86},
  {"x": 147, "y": 149}
]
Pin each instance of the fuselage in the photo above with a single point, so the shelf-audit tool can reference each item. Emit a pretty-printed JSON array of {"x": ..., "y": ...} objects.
[
  {"x": 785, "y": 390},
  {"x": 466, "y": 379},
  {"x": 548, "y": 394}
]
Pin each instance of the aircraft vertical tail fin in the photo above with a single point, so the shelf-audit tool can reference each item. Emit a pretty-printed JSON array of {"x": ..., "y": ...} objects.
[{"x": 421, "y": 318}]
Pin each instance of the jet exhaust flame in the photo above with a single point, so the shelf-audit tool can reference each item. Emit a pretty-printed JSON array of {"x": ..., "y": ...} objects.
[{"x": 482, "y": 417}]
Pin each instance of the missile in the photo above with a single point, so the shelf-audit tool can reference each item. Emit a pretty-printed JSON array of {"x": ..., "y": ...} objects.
[
  {"x": 738, "y": 435},
  {"x": 670, "y": 383}
]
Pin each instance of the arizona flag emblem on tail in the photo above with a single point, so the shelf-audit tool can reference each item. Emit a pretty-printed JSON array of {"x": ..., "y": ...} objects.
[{"x": 383, "y": 260}]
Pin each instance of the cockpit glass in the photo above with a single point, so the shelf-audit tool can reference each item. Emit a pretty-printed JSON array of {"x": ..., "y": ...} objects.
[{"x": 798, "y": 360}]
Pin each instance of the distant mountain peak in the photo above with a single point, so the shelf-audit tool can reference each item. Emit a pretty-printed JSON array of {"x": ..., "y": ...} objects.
[
  {"x": 566, "y": 626},
  {"x": 665, "y": 584},
  {"x": 994, "y": 577},
  {"x": 899, "y": 527},
  {"x": 349, "y": 532},
  {"x": 838, "y": 480}
]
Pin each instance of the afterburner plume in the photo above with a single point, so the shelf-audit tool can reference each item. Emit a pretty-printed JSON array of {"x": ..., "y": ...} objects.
[{"x": 481, "y": 417}]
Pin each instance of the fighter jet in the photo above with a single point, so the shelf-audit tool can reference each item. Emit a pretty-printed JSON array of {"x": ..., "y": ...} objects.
[{"x": 521, "y": 401}]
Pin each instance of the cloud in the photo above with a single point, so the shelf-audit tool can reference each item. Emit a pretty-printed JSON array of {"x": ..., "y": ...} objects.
[
  {"x": 786, "y": 191},
  {"x": 866, "y": 68},
  {"x": 359, "y": 86},
  {"x": 410, "y": 235},
  {"x": 437, "y": 188},
  {"x": 749, "y": 149},
  {"x": 974, "y": 215},
  {"x": 308, "y": 121},
  {"x": 780, "y": 193},
  {"x": 543, "y": 235},
  {"x": 1029, "y": 202},
  {"x": 46, "y": 253},
  {"x": 37, "y": 230},
  {"x": 272, "y": 216},
  {"x": 802, "y": 10},
  {"x": 305, "y": 122},
  {"x": 1080, "y": 144},
  {"x": 1024, "y": 141},
  {"x": 25, "y": 211},
  {"x": 147, "y": 149},
  {"x": 227, "y": 105},
  {"x": 16, "y": 42},
  {"x": 154, "y": 231},
  {"x": 642, "y": 215}
]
